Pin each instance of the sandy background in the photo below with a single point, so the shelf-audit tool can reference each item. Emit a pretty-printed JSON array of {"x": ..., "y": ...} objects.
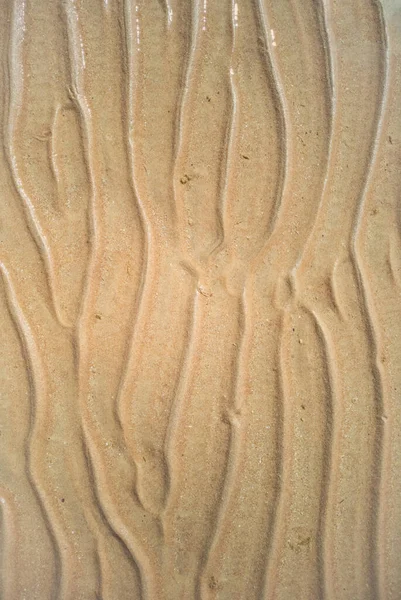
[{"x": 200, "y": 293}]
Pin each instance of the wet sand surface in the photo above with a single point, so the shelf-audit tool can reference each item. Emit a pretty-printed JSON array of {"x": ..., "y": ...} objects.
[{"x": 200, "y": 293}]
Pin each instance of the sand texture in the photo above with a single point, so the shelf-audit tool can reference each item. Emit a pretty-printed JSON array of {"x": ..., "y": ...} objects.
[{"x": 200, "y": 300}]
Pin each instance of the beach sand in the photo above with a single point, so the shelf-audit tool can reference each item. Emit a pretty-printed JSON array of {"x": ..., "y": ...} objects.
[{"x": 200, "y": 294}]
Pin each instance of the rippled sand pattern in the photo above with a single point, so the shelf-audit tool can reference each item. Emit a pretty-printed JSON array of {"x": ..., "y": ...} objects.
[{"x": 200, "y": 294}]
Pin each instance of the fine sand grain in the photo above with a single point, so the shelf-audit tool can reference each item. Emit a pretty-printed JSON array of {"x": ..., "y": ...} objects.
[{"x": 200, "y": 300}]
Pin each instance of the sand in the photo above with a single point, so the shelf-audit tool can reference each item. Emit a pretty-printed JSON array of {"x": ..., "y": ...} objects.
[{"x": 200, "y": 292}]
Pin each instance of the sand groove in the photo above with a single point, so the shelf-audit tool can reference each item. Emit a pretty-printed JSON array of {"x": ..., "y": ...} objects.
[{"x": 200, "y": 260}]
